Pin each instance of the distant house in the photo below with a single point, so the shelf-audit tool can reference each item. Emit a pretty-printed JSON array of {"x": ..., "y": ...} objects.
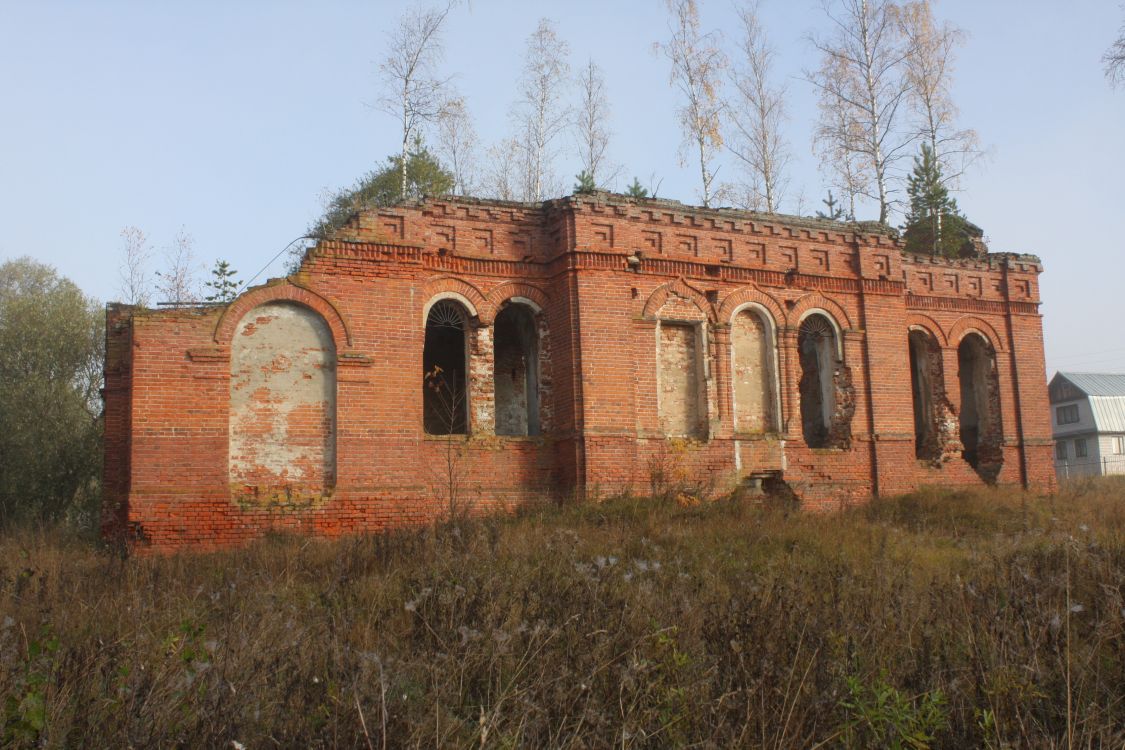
[{"x": 1088, "y": 423}]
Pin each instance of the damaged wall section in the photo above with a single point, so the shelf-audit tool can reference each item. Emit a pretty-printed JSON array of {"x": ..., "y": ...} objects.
[
  {"x": 981, "y": 431},
  {"x": 516, "y": 375},
  {"x": 826, "y": 392},
  {"x": 282, "y": 406},
  {"x": 935, "y": 426}
]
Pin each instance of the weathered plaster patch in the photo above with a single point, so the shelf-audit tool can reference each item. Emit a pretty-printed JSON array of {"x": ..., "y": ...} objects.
[{"x": 283, "y": 406}]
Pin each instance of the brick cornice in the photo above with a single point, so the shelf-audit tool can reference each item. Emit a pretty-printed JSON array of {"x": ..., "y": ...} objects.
[{"x": 969, "y": 305}]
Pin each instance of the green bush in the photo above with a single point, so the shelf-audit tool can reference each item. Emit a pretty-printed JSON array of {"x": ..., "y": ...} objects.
[{"x": 51, "y": 349}]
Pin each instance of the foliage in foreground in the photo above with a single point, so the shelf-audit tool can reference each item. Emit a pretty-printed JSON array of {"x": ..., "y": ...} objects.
[{"x": 984, "y": 619}]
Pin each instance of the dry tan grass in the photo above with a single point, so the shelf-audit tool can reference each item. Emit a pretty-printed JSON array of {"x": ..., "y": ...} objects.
[{"x": 986, "y": 618}]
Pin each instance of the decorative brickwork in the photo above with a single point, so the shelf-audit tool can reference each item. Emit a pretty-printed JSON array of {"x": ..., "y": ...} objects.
[{"x": 592, "y": 344}]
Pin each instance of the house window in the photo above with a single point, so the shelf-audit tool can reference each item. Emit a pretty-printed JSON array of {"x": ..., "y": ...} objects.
[
  {"x": 1060, "y": 450},
  {"x": 1118, "y": 445},
  {"x": 1080, "y": 448},
  {"x": 1067, "y": 414}
]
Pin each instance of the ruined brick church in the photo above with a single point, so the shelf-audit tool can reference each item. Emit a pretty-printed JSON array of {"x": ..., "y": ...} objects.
[{"x": 460, "y": 354}]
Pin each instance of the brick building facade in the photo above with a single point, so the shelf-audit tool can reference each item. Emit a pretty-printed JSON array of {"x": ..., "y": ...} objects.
[{"x": 460, "y": 354}]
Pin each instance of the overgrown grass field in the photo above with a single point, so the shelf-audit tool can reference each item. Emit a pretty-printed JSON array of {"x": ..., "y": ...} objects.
[{"x": 988, "y": 618}]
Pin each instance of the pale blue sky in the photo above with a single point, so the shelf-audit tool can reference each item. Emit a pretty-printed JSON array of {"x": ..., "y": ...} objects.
[{"x": 230, "y": 119}]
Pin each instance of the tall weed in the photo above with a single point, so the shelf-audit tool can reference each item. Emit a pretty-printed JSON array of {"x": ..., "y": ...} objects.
[{"x": 939, "y": 619}]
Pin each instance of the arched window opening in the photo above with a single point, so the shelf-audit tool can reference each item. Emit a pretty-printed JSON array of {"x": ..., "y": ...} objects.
[
  {"x": 981, "y": 432},
  {"x": 754, "y": 372},
  {"x": 927, "y": 392},
  {"x": 825, "y": 423},
  {"x": 282, "y": 426},
  {"x": 516, "y": 375},
  {"x": 445, "y": 408}
]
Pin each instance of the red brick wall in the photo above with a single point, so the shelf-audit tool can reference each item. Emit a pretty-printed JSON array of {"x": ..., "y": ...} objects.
[{"x": 604, "y": 271}]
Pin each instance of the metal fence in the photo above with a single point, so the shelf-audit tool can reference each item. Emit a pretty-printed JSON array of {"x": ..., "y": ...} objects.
[{"x": 1089, "y": 467}]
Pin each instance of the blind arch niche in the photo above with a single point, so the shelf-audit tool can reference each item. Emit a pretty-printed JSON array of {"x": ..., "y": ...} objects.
[{"x": 282, "y": 428}]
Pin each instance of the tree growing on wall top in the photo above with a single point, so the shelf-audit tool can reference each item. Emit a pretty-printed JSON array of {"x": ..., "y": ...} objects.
[
  {"x": 835, "y": 211},
  {"x": 863, "y": 93},
  {"x": 425, "y": 176},
  {"x": 636, "y": 190},
  {"x": 585, "y": 184},
  {"x": 928, "y": 68},
  {"x": 757, "y": 114},
  {"x": 592, "y": 126},
  {"x": 697, "y": 62},
  {"x": 223, "y": 283},
  {"x": 413, "y": 92},
  {"x": 934, "y": 224}
]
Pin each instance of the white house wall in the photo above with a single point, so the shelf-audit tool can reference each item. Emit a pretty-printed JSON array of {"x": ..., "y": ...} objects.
[
  {"x": 1108, "y": 413},
  {"x": 1113, "y": 463}
]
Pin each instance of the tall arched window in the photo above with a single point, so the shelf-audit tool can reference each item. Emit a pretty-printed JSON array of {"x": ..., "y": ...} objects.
[
  {"x": 282, "y": 405},
  {"x": 927, "y": 391},
  {"x": 981, "y": 432},
  {"x": 516, "y": 374},
  {"x": 818, "y": 348},
  {"x": 445, "y": 407},
  {"x": 754, "y": 369}
]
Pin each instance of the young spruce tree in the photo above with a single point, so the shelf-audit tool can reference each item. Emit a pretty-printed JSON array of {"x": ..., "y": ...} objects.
[
  {"x": 934, "y": 224},
  {"x": 224, "y": 283},
  {"x": 585, "y": 184}
]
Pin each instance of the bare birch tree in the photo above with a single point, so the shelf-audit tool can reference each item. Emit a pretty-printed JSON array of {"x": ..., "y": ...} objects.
[
  {"x": 179, "y": 282},
  {"x": 592, "y": 126},
  {"x": 929, "y": 71},
  {"x": 413, "y": 92},
  {"x": 540, "y": 113},
  {"x": 862, "y": 72},
  {"x": 836, "y": 140},
  {"x": 501, "y": 177},
  {"x": 457, "y": 145},
  {"x": 135, "y": 285},
  {"x": 757, "y": 113},
  {"x": 697, "y": 63},
  {"x": 1114, "y": 59}
]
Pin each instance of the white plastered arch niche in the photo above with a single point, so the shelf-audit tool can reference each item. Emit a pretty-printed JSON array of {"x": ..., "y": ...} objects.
[{"x": 755, "y": 380}]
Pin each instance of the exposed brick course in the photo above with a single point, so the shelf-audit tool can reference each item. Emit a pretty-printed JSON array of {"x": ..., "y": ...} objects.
[{"x": 667, "y": 343}]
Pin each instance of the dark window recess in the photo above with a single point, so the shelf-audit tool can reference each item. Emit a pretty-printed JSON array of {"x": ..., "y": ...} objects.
[
  {"x": 445, "y": 405},
  {"x": 981, "y": 433},
  {"x": 516, "y": 379},
  {"x": 816, "y": 344}
]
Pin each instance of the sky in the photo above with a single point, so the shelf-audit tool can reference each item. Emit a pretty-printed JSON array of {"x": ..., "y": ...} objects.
[{"x": 232, "y": 120}]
